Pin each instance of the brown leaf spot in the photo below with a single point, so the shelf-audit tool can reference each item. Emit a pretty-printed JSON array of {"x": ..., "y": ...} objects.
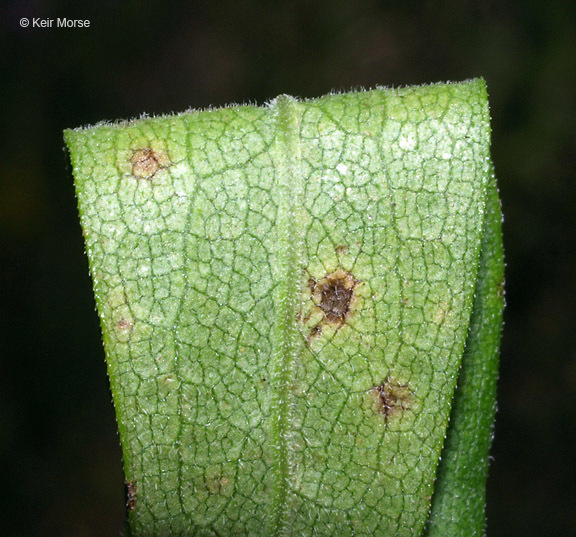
[
  {"x": 218, "y": 485},
  {"x": 332, "y": 301},
  {"x": 131, "y": 493},
  {"x": 316, "y": 331},
  {"x": 333, "y": 294},
  {"x": 147, "y": 162},
  {"x": 312, "y": 284},
  {"x": 342, "y": 250},
  {"x": 392, "y": 398},
  {"x": 124, "y": 327}
]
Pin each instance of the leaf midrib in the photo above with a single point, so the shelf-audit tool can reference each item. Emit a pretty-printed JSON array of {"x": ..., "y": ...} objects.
[{"x": 287, "y": 160}]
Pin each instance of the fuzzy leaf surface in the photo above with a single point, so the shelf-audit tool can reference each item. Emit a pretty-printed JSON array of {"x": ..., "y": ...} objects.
[{"x": 285, "y": 295}]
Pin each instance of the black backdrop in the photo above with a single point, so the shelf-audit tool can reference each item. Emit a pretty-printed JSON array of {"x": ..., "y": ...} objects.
[{"x": 61, "y": 470}]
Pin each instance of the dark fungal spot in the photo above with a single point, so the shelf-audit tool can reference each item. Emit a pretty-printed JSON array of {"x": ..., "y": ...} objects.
[
  {"x": 335, "y": 300},
  {"x": 392, "y": 398},
  {"x": 147, "y": 162},
  {"x": 333, "y": 294},
  {"x": 316, "y": 331},
  {"x": 311, "y": 284},
  {"x": 131, "y": 493},
  {"x": 329, "y": 303}
]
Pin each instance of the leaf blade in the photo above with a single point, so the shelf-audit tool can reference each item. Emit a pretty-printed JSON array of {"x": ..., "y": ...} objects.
[
  {"x": 458, "y": 504},
  {"x": 284, "y": 294}
]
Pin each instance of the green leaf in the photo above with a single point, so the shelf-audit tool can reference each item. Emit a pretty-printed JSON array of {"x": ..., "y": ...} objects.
[
  {"x": 459, "y": 498},
  {"x": 287, "y": 301}
]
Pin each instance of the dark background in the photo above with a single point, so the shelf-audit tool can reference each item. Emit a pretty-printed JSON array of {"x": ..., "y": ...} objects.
[{"x": 61, "y": 463}]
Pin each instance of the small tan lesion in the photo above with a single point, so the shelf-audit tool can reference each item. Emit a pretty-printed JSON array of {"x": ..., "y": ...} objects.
[
  {"x": 147, "y": 162},
  {"x": 124, "y": 325},
  {"x": 218, "y": 484},
  {"x": 131, "y": 495},
  {"x": 392, "y": 398},
  {"x": 440, "y": 312},
  {"x": 342, "y": 250},
  {"x": 124, "y": 328},
  {"x": 316, "y": 331}
]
